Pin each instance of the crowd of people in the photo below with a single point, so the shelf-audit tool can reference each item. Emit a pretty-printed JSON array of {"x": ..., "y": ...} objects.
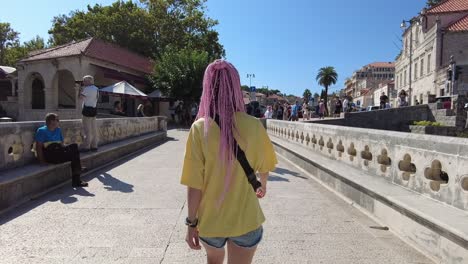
[{"x": 334, "y": 108}]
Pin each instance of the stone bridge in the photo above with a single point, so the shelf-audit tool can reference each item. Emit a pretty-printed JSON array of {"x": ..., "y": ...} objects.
[{"x": 338, "y": 195}]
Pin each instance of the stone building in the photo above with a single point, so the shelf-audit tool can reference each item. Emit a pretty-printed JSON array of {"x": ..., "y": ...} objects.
[
  {"x": 389, "y": 90},
  {"x": 48, "y": 80},
  {"x": 369, "y": 78},
  {"x": 429, "y": 42}
]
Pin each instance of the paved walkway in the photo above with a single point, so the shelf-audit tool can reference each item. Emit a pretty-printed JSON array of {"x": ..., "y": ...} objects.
[{"x": 133, "y": 213}]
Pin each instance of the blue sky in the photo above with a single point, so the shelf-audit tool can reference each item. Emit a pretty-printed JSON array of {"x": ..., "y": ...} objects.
[{"x": 283, "y": 43}]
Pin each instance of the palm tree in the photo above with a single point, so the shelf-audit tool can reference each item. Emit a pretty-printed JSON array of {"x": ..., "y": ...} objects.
[
  {"x": 307, "y": 94},
  {"x": 326, "y": 76}
]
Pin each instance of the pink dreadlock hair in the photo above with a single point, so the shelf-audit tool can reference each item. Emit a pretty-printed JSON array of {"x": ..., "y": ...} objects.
[{"x": 222, "y": 97}]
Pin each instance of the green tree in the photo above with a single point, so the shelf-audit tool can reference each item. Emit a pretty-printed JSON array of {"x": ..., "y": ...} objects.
[
  {"x": 307, "y": 94},
  {"x": 8, "y": 38},
  {"x": 179, "y": 73},
  {"x": 431, "y": 3},
  {"x": 275, "y": 91},
  {"x": 36, "y": 43},
  {"x": 148, "y": 28},
  {"x": 245, "y": 88},
  {"x": 326, "y": 77},
  {"x": 16, "y": 52}
]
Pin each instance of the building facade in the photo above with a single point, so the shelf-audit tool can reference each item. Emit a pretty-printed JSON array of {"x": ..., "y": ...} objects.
[
  {"x": 434, "y": 42},
  {"x": 48, "y": 80},
  {"x": 369, "y": 78}
]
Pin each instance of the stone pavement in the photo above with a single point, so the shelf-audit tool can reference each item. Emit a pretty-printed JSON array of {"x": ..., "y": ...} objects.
[{"x": 133, "y": 212}]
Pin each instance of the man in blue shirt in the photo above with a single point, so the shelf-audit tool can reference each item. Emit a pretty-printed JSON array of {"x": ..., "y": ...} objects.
[
  {"x": 50, "y": 148},
  {"x": 295, "y": 112}
]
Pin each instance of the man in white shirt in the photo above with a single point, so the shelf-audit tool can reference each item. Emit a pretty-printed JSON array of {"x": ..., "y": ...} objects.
[{"x": 89, "y": 95}]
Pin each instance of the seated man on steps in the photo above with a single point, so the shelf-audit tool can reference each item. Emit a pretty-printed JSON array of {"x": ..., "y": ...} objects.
[{"x": 50, "y": 148}]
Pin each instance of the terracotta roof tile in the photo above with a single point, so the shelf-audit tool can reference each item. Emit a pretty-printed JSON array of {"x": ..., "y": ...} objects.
[
  {"x": 97, "y": 49},
  {"x": 449, "y": 6},
  {"x": 382, "y": 64},
  {"x": 460, "y": 25}
]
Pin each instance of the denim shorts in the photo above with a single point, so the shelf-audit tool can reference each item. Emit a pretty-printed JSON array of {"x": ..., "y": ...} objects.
[{"x": 248, "y": 240}]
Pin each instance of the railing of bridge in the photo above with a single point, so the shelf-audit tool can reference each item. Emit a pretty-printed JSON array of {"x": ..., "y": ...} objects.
[
  {"x": 434, "y": 166},
  {"x": 17, "y": 138}
]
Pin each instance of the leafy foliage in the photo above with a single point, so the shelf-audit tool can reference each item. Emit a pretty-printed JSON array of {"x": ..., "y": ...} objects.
[
  {"x": 426, "y": 123},
  {"x": 307, "y": 94},
  {"x": 148, "y": 28},
  {"x": 8, "y": 39},
  {"x": 326, "y": 76},
  {"x": 179, "y": 73},
  {"x": 431, "y": 3}
]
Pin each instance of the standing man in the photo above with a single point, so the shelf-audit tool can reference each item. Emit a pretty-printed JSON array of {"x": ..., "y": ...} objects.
[
  {"x": 295, "y": 112},
  {"x": 89, "y": 95},
  {"x": 383, "y": 100},
  {"x": 345, "y": 104}
]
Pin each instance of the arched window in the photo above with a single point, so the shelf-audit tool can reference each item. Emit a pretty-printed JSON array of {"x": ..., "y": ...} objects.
[{"x": 37, "y": 94}]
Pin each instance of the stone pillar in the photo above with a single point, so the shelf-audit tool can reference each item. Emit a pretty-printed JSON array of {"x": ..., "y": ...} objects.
[
  {"x": 77, "y": 101},
  {"x": 21, "y": 95},
  {"x": 13, "y": 81},
  {"x": 49, "y": 93}
]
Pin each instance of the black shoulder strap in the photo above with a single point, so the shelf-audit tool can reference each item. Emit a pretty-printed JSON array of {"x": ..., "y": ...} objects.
[{"x": 240, "y": 155}]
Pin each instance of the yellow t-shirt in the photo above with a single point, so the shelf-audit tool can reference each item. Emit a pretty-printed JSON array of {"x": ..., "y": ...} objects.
[{"x": 240, "y": 211}]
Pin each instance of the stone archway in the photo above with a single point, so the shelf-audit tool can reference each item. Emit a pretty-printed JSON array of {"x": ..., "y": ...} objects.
[
  {"x": 37, "y": 92},
  {"x": 64, "y": 85}
]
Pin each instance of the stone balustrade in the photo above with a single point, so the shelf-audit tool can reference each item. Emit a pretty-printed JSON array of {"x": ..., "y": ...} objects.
[
  {"x": 434, "y": 166},
  {"x": 17, "y": 138}
]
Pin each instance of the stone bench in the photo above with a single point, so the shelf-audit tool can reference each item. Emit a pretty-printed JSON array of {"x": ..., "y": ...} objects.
[{"x": 21, "y": 184}]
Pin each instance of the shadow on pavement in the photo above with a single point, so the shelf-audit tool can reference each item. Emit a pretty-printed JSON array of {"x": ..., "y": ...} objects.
[
  {"x": 113, "y": 184},
  {"x": 68, "y": 196},
  {"x": 286, "y": 172},
  {"x": 65, "y": 194},
  {"x": 277, "y": 178}
]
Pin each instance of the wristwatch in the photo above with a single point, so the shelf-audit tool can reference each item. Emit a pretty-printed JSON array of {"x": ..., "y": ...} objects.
[{"x": 189, "y": 223}]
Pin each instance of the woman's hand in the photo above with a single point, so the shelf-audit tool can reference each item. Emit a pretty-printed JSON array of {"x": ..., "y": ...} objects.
[
  {"x": 261, "y": 192},
  {"x": 192, "y": 238}
]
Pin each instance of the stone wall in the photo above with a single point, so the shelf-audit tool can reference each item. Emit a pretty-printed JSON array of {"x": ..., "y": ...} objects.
[
  {"x": 17, "y": 138},
  {"x": 11, "y": 109},
  {"x": 396, "y": 119},
  {"x": 421, "y": 163}
]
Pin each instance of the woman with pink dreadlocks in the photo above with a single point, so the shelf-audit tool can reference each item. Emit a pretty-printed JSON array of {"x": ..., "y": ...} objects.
[{"x": 226, "y": 149}]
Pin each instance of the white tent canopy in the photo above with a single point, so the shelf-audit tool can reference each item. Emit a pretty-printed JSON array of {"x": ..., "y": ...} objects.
[
  {"x": 123, "y": 88},
  {"x": 155, "y": 94}
]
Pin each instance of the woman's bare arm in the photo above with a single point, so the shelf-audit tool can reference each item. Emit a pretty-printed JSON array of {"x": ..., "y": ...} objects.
[{"x": 193, "y": 199}]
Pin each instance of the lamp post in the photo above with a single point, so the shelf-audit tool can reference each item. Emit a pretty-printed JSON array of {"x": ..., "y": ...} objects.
[
  {"x": 250, "y": 76},
  {"x": 404, "y": 27}
]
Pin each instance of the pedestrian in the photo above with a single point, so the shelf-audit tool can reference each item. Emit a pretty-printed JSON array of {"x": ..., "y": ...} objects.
[
  {"x": 118, "y": 109},
  {"x": 285, "y": 112},
  {"x": 338, "y": 107},
  {"x": 345, "y": 104},
  {"x": 294, "y": 112},
  {"x": 268, "y": 113},
  {"x": 279, "y": 113},
  {"x": 383, "y": 100},
  {"x": 223, "y": 207},
  {"x": 50, "y": 148},
  {"x": 305, "y": 111},
  {"x": 89, "y": 95},
  {"x": 321, "y": 109},
  {"x": 172, "y": 111},
  {"x": 193, "y": 112},
  {"x": 401, "y": 101},
  {"x": 141, "y": 110},
  {"x": 331, "y": 106}
]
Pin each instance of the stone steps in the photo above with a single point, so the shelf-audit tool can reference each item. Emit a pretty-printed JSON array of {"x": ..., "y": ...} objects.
[{"x": 24, "y": 183}]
